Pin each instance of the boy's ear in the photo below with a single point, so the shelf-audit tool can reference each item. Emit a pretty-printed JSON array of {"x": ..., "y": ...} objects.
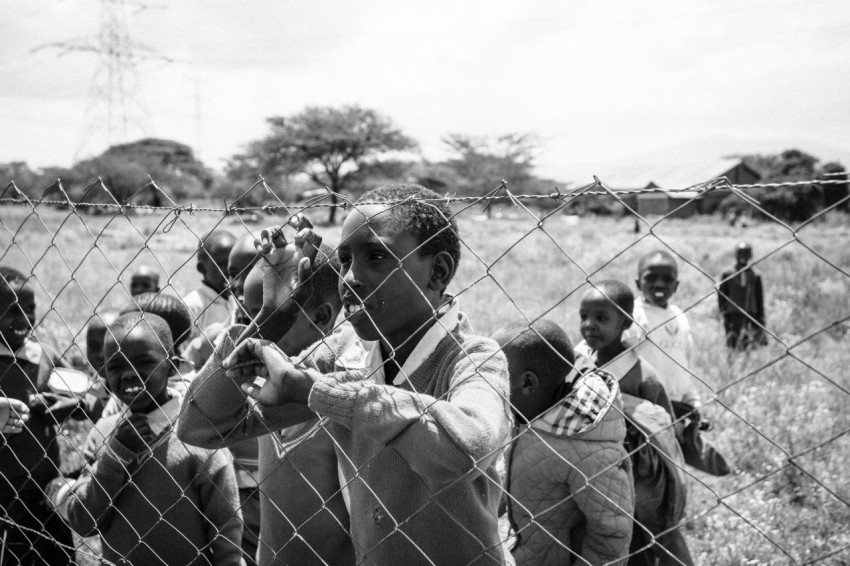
[
  {"x": 323, "y": 317},
  {"x": 530, "y": 383},
  {"x": 627, "y": 321},
  {"x": 442, "y": 271}
]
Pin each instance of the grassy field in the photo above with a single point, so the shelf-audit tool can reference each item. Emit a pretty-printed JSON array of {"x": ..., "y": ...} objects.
[{"x": 780, "y": 413}]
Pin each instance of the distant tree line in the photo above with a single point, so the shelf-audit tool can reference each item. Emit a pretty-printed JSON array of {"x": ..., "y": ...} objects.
[{"x": 340, "y": 152}]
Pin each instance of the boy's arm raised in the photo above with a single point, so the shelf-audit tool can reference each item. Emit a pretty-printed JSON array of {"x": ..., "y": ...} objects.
[
  {"x": 441, "y": 439},
  {"x": 287, "y": 268},
  {"x": 216, "y": 412}
]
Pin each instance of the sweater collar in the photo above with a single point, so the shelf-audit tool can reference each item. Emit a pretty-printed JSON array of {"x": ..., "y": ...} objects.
[
  {"x": 29, "y": 351},
  {"x": 446, "y": 322}
]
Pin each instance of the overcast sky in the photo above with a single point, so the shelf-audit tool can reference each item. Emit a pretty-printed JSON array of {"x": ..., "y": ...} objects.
[{"x": 596, "y": 80}]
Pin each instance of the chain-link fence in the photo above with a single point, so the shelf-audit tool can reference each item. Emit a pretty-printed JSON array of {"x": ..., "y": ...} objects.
[{"x": 442, "y": 455}]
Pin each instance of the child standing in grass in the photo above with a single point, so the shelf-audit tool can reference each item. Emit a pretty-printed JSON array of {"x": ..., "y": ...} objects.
[
  {"x": 741, "y": 301},
  {"x": 569, "y": 481},
  {"x": 31, "y": 532},
  {"x": 661, "y": 331},
  {"x": 662, "y": 334},
  {"x": 152, "y": 499},
  {"x": 660, "y": 492},
  {"x": 418, "y": 431}
]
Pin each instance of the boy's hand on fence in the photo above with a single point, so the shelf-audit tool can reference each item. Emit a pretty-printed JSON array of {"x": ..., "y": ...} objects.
[
  {"x": 135, "y": 432},
  {"x": 287, "y": 266},
  {"x": 14, "y": 414},
  {"x": 285, "y": 382}
]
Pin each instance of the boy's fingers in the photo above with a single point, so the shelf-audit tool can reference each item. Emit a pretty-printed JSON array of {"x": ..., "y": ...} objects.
[
  {"x": 300, "y": 222},
  {"x": 308, "y": 241},
  {"x": 270, "y": 238}
]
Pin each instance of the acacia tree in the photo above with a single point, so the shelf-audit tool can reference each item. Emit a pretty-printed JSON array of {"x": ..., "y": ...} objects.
[{"x": 327, "y": 144}]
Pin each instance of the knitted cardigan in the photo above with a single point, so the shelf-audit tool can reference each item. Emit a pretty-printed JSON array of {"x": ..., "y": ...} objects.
[
  {"x": 303, "y": 519},
  {"x": 177, "y": 505},
  {"x": 418, "y": 459}
]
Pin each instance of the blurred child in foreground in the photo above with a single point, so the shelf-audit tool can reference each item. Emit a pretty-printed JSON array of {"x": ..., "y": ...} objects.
[
  {"x": 31, "y": 532},
  {"x": 569, "y": 481}
]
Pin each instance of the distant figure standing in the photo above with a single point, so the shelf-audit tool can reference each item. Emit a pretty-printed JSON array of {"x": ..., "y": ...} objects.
[
  {"x": 732, "y": 216},
  {"x": 741, "y": 302}
]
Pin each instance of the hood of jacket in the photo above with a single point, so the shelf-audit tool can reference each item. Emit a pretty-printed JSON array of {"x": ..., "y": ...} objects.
[{"x": 592, "y": 410}]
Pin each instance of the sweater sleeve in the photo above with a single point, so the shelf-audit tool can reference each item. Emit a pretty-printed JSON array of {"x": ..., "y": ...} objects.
[
  {"x": 215, "y": 412},
  {"x": 601, "y": 487},
  {"x": 90, "y": 503},
  {"x": 440, "y": 438},
  {"x": 219, "y": 499}
]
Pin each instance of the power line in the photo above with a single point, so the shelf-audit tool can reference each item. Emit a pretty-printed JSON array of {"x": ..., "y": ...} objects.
[{"x": 114, "y": 108}]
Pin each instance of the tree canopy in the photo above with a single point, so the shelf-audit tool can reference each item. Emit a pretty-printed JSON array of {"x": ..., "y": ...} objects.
[{"x": 328, "y": 145}]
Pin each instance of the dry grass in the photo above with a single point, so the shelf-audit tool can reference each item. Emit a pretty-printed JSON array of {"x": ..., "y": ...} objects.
[{"x": 780, "y": 413}]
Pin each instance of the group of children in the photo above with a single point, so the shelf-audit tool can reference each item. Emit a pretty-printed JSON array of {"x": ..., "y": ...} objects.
[{"x": 395, "y": 436}]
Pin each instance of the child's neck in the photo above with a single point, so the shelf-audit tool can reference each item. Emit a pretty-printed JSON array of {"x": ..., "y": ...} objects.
[
  {"x": 609, "y": 352},
  {"x": 405, "y": 347}
]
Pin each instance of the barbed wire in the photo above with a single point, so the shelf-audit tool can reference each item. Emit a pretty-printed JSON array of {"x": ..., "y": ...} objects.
[{"x": 557, "y": 195}]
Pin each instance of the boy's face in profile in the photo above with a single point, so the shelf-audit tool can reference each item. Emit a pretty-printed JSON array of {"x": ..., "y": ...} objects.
[
  {"x": 137, "y": 372},
  {"x": 17, "y": 314},
  {"x": 212, "y": 263},
  {"x": 602, "y": 323},
  {"x": 657, "y": 281},
  {"x": 380, "y": 299},
  {"x": 143, "y": 283}
]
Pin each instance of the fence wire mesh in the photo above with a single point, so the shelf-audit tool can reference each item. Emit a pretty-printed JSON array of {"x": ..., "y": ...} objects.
[{"x": 744, "y": 464}]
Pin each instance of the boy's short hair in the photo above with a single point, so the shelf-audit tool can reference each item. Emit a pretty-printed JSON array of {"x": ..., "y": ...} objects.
[
  {"x": 432, "y": 223},
  {"x": 171, "y": 309},
  {"x": 128, "y": 321},
  {"x": 618, "y": 293},
  {"x": 544, "y": 348},
  {"x": 9, "y": 276},
  {"x": 664, "y": 255}
]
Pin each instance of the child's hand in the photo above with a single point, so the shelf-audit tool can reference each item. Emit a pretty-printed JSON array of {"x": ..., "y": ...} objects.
[
  {"x": 135, "y": 433},
  {"x": 58, "y": 407},
  {"x": 285, "y": 383},
  {"x": 286, "y": 266},
  {"x": 14, "y": 414}
]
